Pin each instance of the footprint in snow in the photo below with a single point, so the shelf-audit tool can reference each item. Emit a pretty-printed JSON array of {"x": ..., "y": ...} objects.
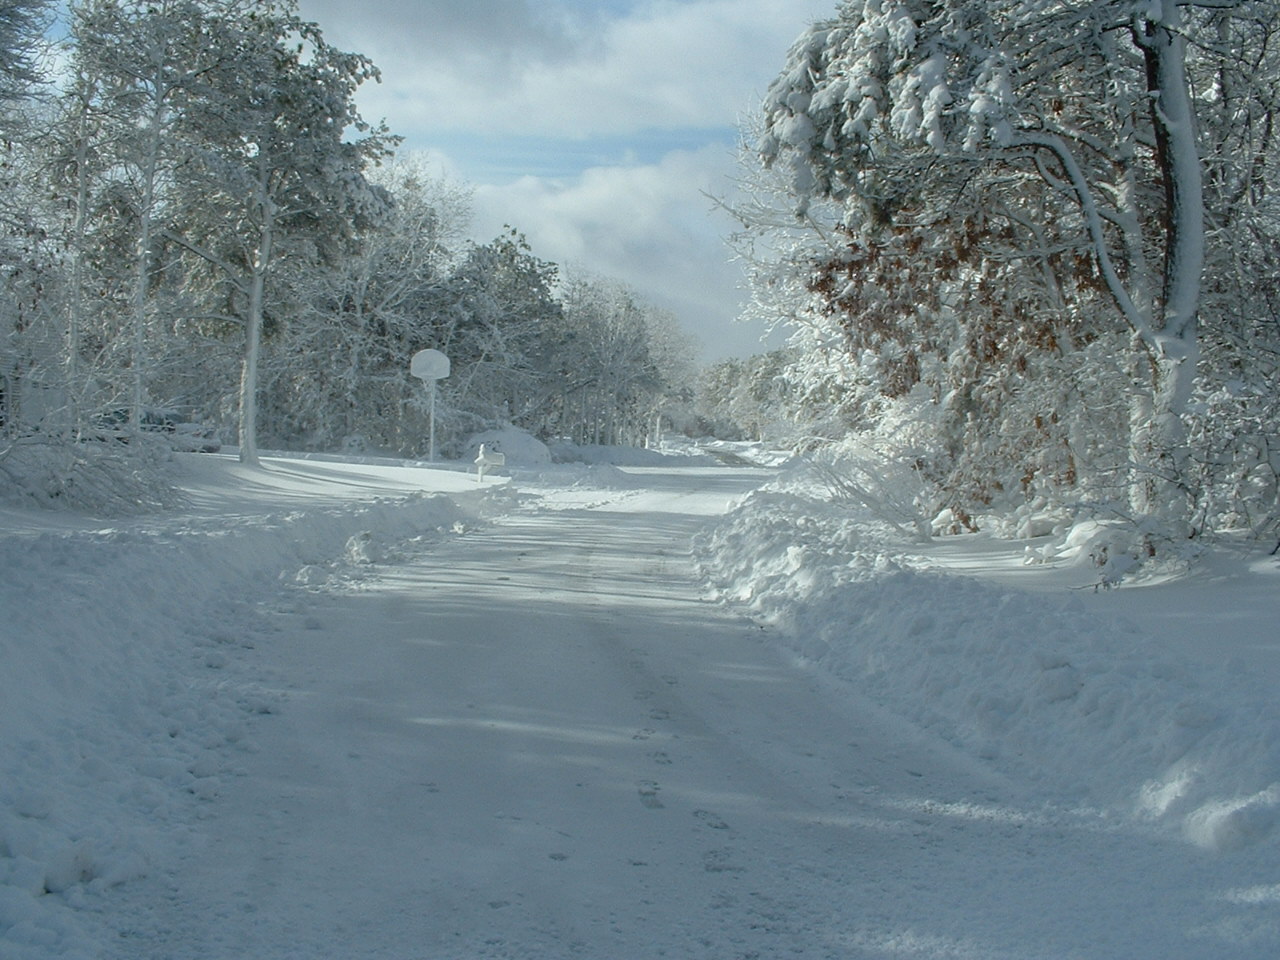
[
  {"x": 711, "y": 819},
  {"x": 648, "y": 790},
  {"x": 719, "y": 861}
]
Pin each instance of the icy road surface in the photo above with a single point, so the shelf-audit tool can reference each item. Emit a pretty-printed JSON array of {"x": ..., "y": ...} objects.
[{"x": 538, "y": 740}]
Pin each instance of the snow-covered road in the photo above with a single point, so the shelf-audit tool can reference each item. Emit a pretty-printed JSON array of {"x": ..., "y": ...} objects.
[{"x": 539, "y": 740}]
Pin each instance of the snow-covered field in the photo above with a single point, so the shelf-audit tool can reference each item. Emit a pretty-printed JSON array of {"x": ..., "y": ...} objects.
[{"x": 370, "y": 709}]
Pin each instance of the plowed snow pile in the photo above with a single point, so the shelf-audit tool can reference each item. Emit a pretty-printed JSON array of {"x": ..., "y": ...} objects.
[
  {"x": 119, "y": 703},
  {"x": 1089, "y": 694}
]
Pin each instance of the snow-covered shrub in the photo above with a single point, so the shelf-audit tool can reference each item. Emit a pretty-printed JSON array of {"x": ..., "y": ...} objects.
[
  {"x": 1113, "y": 548},
  {"x": 891, "y": 488},
  {"x": 1236, "y": 459},
  {"x": 1038, "y": 517},
  {"x": 106, "y": 479}
]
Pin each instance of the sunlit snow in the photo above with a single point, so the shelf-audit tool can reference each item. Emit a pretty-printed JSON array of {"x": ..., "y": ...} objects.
[{"x": 374, "y": 709}]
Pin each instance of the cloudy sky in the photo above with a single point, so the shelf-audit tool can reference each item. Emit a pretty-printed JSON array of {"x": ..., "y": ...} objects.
[{"x": 596, "y": 127}]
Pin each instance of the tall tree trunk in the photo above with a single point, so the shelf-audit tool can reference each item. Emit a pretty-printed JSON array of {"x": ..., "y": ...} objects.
[
  {"x": 1172, "y": 344},
  {"x": 75, "y": 318},
  {"x": 253, "y": 326},
  {"x": 142, "y": 269}
]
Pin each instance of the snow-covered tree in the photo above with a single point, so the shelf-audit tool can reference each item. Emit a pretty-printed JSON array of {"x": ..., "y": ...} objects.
[
  {"x": 28, "y": 343},
  {"x": 138, "y": 68},
  {"x": 1018, "y": 195},
  {"x": 750, "y": 398},
  {"x": 203, "y": 206},
  {"x": 1233, "y": 427},
  {"x": 362, "y": 317},
  {"x": 491, "y": 317},
  {"x": 22, "y": 26},
  {"x": 607, "y": 380},
  {"x": 274, "y": 165}
]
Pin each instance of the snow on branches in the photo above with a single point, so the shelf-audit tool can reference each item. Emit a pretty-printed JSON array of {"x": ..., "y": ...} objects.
[{"x": 1002, "y": 188}]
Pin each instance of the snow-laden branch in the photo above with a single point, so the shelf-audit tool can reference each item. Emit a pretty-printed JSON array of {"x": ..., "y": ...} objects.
[
  {"x": 230, "y": 272},
  {"x": 1093, "y": 221}
]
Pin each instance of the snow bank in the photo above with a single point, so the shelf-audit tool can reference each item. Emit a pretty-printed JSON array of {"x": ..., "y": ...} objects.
[
  {"x": 749, "y": 452},
  {"x": 1082, "y": 705},
  {"x": 565, "y": 452},
  {"x": 576, "y": 485},
  {"x": 520, "y": 447},
  {"x": 600, "y": 468},
  {"x": 92, "y": 477},
  {"x": 119, "y": 699}
]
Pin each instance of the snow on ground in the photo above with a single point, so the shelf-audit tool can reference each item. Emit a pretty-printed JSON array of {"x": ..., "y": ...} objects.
[
  {"x": 1155, "y": 700},
  {"x": 671, "y": 454},
  {"x": 112, "y": 650},
  {"x": 376, "y": 709}
]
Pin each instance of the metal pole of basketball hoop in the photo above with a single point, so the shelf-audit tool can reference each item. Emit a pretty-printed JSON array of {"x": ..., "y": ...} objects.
[{"x": 430, "y": 366}]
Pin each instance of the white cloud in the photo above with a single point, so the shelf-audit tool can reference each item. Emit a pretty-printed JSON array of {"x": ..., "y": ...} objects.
[
  {"x": 546, "y": 69},
  {"x": 651, "y": 227},
  {"x": 567, "y": 88},
  {"x": 498, "y": 31}
]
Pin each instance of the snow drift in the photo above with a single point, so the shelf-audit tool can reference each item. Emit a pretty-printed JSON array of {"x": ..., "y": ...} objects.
[
  {"x": 1086, "y": 706},
  {"x": 119, "y": 699}
]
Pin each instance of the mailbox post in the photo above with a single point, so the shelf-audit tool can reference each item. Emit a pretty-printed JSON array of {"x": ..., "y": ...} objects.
[{"x": 430, "y": 366}]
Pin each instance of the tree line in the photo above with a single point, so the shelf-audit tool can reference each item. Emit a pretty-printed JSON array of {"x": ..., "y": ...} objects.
[
  {"x": 1031, "y": 250},
  {"x": 196, "y": 216}
]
